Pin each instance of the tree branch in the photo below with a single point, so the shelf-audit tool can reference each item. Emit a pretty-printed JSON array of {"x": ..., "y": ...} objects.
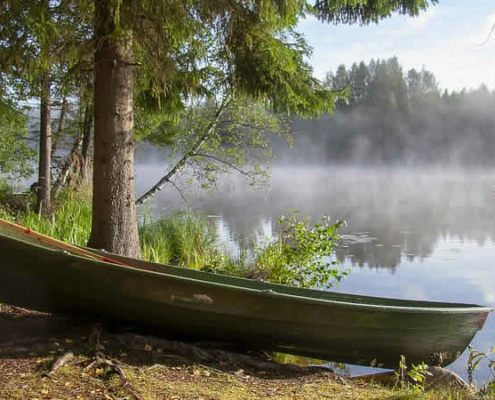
[
  {"x": 199, "y": 143},
  {"x": 245, "y": 125},
  {"x": 181, "y": 193},
  {"x": 223, "y": 162}
]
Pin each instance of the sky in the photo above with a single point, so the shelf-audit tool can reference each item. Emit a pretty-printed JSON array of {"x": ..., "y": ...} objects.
[{"x": 448, "y": 40}]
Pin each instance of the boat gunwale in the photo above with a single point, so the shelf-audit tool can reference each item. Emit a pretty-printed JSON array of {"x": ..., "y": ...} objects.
[{"x": 463, "y": 309}]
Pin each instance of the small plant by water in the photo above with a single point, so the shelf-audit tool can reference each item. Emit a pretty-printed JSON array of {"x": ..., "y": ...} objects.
[
  {"x": 417, "y": 374},
  {"x": 299, "y": 256},
  {"x": 475, "y": 358}
]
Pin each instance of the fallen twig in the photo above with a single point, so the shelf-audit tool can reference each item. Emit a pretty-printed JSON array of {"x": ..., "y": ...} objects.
[
  {"x": 61, "y": 361},
  {"x": 102, "y": 359}
]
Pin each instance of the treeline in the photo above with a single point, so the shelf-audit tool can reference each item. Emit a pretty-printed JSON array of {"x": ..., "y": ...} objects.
[{"x": 393, "y": 116}]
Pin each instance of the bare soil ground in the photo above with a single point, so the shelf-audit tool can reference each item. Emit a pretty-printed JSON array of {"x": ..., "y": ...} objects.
[{"x": 98, "y": 364}]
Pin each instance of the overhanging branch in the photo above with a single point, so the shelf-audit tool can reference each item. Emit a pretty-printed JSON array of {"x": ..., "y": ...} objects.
[
  {"x": 180, "y": 192},
  {"x": 197, "y": 146},
  {"x": 229, "y": 164}
]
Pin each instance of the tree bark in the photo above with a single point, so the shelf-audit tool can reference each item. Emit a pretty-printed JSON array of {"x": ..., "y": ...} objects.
[
  {"x": 85, "y": 164},
  {"x": 45, "y": 151},
  {"x": 67, "y": 167},
  {"x": 114, "y": 211},
  {"x": 61, "y": 125}
]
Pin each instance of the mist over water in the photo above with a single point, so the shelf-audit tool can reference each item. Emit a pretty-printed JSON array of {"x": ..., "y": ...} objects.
[
  {"x": 385, "y": 208},
  {"x": 415, "y": 233}
]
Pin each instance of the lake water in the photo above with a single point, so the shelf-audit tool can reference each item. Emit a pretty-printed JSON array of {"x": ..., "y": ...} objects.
[{"x": 411, "y": 233}]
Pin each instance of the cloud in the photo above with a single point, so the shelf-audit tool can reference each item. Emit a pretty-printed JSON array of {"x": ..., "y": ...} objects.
[
  {"x": 423, "y": 19},
  {"x": 449, "y": 46}
]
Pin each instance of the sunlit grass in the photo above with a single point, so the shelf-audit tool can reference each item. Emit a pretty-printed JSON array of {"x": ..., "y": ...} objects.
[
  {"x": 71, "y": 222},
  {"x": 5, "y": 215},
  {"x": 182, "y": 238}
]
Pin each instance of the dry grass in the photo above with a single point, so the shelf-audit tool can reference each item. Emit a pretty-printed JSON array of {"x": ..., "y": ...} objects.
[{"x": 30, "y": 343}]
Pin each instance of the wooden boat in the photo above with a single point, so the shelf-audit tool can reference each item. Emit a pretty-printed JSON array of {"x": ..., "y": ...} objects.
[{"x": 40, "y": 273}]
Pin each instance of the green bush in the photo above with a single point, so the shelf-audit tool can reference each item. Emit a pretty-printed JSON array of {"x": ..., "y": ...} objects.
[{"x": 298, "y": 256}]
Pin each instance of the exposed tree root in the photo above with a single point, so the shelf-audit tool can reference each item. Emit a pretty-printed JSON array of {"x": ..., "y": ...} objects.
[
  {"x": 215, "y": 355},
  {"x": 103, "y": 360}
]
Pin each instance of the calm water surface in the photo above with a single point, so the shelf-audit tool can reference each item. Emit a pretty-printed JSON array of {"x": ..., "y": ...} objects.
[{"x": 411, "y": 233}]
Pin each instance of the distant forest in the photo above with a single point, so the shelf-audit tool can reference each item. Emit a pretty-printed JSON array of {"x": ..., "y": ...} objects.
[{"x": 397, "y": 117}]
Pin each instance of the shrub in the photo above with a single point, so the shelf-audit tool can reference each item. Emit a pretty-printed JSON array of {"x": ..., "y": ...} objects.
[{"x": 299, "y": 256}]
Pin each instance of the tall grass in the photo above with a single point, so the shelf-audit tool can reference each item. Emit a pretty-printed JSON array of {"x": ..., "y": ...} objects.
[
  {"x": 71, "y": 221},
  {"x": 190, "y": 240},
  {"x": 182, "y": 238},
  {"x": 5, "y": 215}
]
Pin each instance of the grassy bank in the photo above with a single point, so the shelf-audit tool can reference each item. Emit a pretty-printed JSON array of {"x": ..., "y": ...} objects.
[
  {"x": 295, "y": 257},
  {"x": 182, "y": 238}
]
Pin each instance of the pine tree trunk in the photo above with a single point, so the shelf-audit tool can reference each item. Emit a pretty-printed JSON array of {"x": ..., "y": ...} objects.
[
  {"x": 85, "y": 162},
  {"x": 64, "y": 173},
  {"x": 45, "y": 152},
  {"x": 114, "y": 211},
  {"x": 61, "y": 126}
]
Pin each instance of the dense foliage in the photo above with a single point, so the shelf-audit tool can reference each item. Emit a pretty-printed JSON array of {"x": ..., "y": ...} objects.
[
  {"x": 15, "y": 154},
  {"x": 367, "y": 11},
  {"x": 299, "y": 256}
]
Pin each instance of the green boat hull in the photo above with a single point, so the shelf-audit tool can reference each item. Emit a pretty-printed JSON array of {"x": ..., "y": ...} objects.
[{"x": 324, "y": 325}]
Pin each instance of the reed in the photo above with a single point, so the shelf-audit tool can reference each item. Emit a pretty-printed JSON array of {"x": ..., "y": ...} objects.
[
  {"x": 70, "y": 221},
  {"x": 182, "y": 238},
  {"x": 190, "y": 240}
]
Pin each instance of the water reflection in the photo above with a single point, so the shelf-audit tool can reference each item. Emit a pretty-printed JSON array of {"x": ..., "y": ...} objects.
[
  {"x": 390, "y": 214},
  {"x": 417, "y": 234}
]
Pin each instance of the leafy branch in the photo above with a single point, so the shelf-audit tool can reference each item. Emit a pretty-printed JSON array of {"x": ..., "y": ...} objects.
[
  {"x": 299, "y": 257},
  {"x": 229, "y": 164},
  {"x": 199, "y": 143}
]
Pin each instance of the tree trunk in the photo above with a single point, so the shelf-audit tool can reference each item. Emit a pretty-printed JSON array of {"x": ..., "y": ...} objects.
[
  {"x": 67, "y": 167},
  {"x": 85, "y": 164},
  {"x": 114, "y": 211},
  {"x": 45, "y": 154},
  {"x": 61, "y": 126}
]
